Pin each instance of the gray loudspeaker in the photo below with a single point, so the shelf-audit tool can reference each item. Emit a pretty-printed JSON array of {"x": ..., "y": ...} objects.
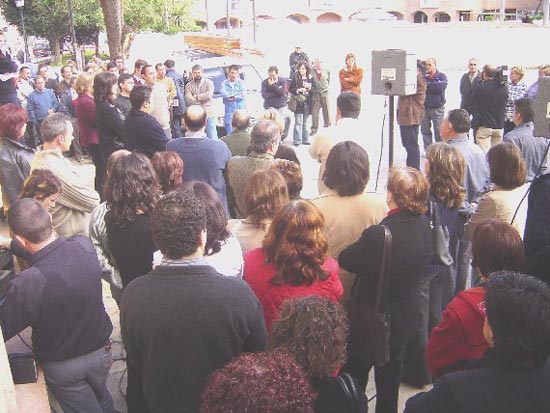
[
  {"x": 542, "y": 109},
  {"x": 393, "y": 72}
]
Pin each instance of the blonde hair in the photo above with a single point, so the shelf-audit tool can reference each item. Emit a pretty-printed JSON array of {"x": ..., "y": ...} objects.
[
  {"x": 519, "y": 70},
  {"x": 409, "y": 189},
  {"x": 84, "y": 82},
  {"x": 446, "y": 174}
]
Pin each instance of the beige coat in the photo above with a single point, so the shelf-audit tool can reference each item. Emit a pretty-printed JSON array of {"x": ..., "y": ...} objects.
[
  {"x": 345, "y": 220},
  {"x": 248, "y": 234},
  {"x": 410, "y": 108},
  {"x": 501, "y": 204}
]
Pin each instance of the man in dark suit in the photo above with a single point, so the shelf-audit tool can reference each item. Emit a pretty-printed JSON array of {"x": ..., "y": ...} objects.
[
  {"x": 142, "y": 132},
  {"x": 514, "y": 375}
]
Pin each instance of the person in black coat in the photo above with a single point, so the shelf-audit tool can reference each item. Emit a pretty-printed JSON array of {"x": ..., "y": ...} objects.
[
  {"x": 109, "y": 118},
  {"x": 142, "y": 132},
  {"x": 411, "y": 252},
  {"x": 514, "y": 375}
]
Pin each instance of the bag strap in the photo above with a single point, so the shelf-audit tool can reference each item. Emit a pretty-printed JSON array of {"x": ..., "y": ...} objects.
[
  {"x": 384, "y": 266},
  {"x": 348, "y": 387}
]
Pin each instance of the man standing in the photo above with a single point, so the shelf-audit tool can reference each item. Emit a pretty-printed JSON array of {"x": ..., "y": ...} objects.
[
  {"x": 532, "y": 148},
  {"x": 199, "y": 322},
  {"x": 204, "y": 159},
  {"x": 142, "y": 132},
  {"x": 321, "y": 82},
  {"x": 40, "y": 103},
  {"x": 454, "y": 131},
  {"x": 43, "y": 69},
  {"x": 25, "y": 86},
  {"x": 119, "y": 61},
  {"x": 347, "y": 128},
  {"x": 159, "y": 99},
  {"x": 410, "y": 111},
  {"x": 274, "y": 94},
  {"x": 199, "y": 91},
  {"x": 264, "y": 142},
  {"x": 468, "y": 82},
  {"x": 71, "y": 213},
  {"x": 65, "y": 84},
  {"x": 233, "y": 94},
  {"x": 167, "y": 82},
  {"x": 296, "y": 57},
  {"x": 60, "y": 297},
  {"x": 178, "y": 104},
  {"x": 434, "y": 105},
  {"x": 122, "y": 101},
  {"x": 138, "y": 67},
  {"x": 489, "y": 105},
  {"x": 239, "y": 140}
]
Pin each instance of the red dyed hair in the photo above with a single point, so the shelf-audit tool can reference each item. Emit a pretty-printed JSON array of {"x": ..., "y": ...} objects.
[{"x": 12, "y": 119}]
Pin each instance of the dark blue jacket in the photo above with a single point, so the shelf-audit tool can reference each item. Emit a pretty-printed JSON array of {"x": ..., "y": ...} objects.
[
  {"x": 180, "y": 88},
  {"x": 274, "y": 96},
  {"x": 435, "y": 92},
  {"x": 143, "y": 134}
]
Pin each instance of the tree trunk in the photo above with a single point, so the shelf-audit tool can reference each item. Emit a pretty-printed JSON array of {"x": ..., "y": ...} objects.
[
  {"x": 113, "y": 17},
  {"x": 546, "y": 12},
  {"x": 128, "y": 37},
  {"x": 56, "y": 49}
]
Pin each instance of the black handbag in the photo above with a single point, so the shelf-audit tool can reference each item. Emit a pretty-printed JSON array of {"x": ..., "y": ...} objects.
[
  {"x": 440, "y": 239},
  {"x": 369, "y": 326},
  {"x": 357, "y": 401},
  {"x": 296, "y": 100}
]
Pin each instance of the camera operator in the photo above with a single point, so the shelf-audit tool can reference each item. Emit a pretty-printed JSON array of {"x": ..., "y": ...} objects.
[{"x": 489, "y": 105}]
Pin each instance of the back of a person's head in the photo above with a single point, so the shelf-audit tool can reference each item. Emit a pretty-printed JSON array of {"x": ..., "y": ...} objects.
[
  {"x": 103, "y": 87},
  {"x": 139, "y": 95},
  {"x": 194, "y": 118},
  {"x": 496, "y": 246},
  {"x": 269, "y": 382},
  {"x": 447, "y": 168},
  {"x": 490, "y": 71},
  {"x": 349, "y": 104},
  {"x": 53, "y": 126},
  {"x": 29, "y": 219},
  {"x": 40, "y": 184},
  {"x": 12, "y": 119},
  {"x": 459, "y": 120},
  {"x": 240, "y": 119},
  {"x": 292, "y": 173},
  {"x": 409, "y": 189},
  {"x": 266, "y": 193},
  {"x": 169, "y": 63},
  {"x": 169, "y": 169},
  {"x": 506, "y": 165},
  {"x": 264, "y": 134},
  {"x": 524, "y": 107},
  {"x": 177, "y": 221},
  {"x": 518, "y": 312},
  {"x": 274, "y": 115},
  {"x": 347, "y": 169},
  {"x": 314, "y": 330}
]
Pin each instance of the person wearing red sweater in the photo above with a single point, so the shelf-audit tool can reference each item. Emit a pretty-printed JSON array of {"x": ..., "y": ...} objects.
[
  {"x": 496, "y": 246},
  {"x": 293, "y": 261}
]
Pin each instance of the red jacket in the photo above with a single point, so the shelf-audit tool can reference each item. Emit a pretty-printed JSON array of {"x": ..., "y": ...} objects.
[
  {"x": 258, "y": 275},
  {"x": 459, "y": 336},
  {"x": 84, "y": 108}
]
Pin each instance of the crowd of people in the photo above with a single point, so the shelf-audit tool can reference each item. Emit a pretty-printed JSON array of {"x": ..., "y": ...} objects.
[{"x": 230, "y": 285}]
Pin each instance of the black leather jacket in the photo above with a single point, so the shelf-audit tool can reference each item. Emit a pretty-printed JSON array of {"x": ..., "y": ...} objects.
[{"x": 15, "y": 166}]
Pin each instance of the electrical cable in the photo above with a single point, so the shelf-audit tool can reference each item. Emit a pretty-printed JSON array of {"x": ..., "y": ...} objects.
[{"x": 381, "y": 144}]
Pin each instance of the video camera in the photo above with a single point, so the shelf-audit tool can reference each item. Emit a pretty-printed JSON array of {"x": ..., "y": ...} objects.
[{"x": 502, "y": 74}]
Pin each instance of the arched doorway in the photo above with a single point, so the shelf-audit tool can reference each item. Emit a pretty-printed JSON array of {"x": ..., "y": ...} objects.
[
  {"x": 298, "y": 18},
  {"x": 420, "y": 17},
  {"x": 329, "y": 18},
  {"x": 442, "y": 17},
  {"x": 398, "y": 16}
]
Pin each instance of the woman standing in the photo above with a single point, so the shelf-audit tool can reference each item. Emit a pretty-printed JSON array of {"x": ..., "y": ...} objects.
[
  {"x": 300, "y": 88},
  {"x": 293, "y": 261},
  {"x": 351, "y": 76},
  {"x": 407, "y": 197},
  {"x": 109, "y": 118},
  {"x": 131, "y": 193},
  {"x": 516, "y": 90},
  {"x": 84, "y": 110}
]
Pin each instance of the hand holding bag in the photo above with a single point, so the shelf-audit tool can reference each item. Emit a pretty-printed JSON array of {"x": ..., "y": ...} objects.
[
  {"x": 369, "y": 326},
  {"x": 440, "y": 238}
]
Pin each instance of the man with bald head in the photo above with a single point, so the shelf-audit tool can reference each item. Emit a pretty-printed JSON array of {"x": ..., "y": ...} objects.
[
  {"x": 264, "y": 142},
  {"x": 239, "y": 140},
  {"x": 489, "y": 106},
  {"x": 204, "y": 158}
]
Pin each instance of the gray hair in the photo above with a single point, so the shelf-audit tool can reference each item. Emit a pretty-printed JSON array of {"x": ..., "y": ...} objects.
[
  {"x": 53, "y": 126},
  {"x": 264, "y": 134}
]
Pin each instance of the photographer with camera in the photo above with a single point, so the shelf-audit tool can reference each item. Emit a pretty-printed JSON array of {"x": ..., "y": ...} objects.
[{"x": 489, "y": 105}]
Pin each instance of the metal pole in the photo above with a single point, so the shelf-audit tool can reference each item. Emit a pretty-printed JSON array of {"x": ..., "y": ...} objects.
[
  {"x": 73, "y": 34},
  {"x": 391, "y": 122},
  {"x": 207, "y": 17},
  {"x": 27, "y": 56},
  {"x": 228, "y": 18},
  {"x": 502, "y": 10},
  {"x": 254, "y": 19}
]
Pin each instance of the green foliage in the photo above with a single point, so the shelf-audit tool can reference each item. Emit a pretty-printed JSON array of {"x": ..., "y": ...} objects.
[{"x": 150, "y": 15}]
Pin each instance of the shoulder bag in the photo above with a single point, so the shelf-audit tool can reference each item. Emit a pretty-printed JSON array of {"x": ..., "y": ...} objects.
[
  {"x": 440, "y": 238},
  {"x": 370, "y": 326},
  {"x": 357, "y": 401}
]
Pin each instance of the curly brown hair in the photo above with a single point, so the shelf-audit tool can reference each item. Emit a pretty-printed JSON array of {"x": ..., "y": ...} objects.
[
  {"x": 266, "y": 194},
  {"x": 292, "y": 173},
  {"x": 279, "y": 386},
  {"x": 409, "y": 189},
  {"x": 447, "y": 168},
  {"x": 131, "y": 189},
  {"x": 169, "y": 168},
  {"x": 40, "y": 184},
  {"x": 296, "y": 244},
  {"x": 315, "y": 331}
]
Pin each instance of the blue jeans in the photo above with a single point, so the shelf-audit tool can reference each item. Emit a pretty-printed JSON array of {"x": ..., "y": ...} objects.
[
  {"x": 301, "y": 135},
  {"x": 176, "y": 126},
  {"x": 80, "y": 384},
  {"x": 227, "y": 122},
  {"x": 211, "y": 128},
  {"x": 434, "y": 116},
  {"x": 409, "y": 139}
]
